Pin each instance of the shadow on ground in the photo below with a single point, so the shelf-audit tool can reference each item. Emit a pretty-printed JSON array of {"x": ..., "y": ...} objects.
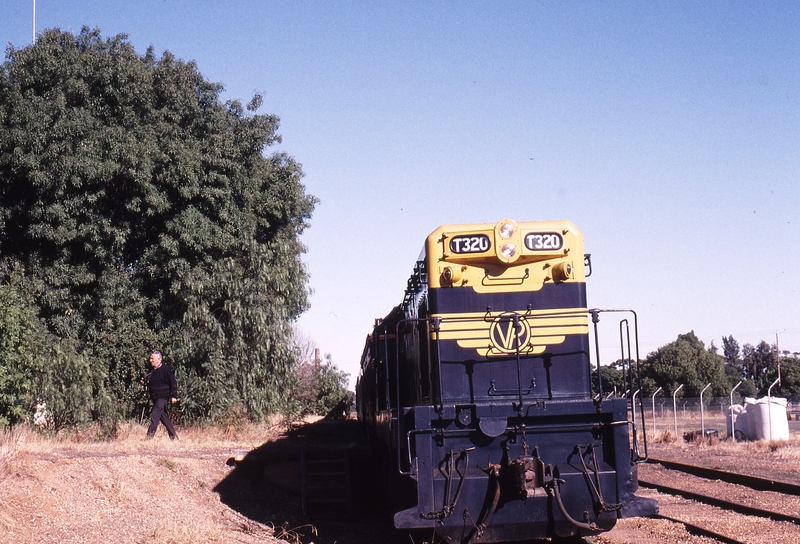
[{"x": 265, "y": 486}]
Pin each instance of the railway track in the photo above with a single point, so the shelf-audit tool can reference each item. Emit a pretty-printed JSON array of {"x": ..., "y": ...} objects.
[
  {"x": 762, "y": 484},
  {"x": 725, "y": 506}
]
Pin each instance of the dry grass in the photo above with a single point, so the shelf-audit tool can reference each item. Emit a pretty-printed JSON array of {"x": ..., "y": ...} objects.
[
  {"x": 7, "y": 453},
  {"x": 80, "y": 486},
  {"x": 783, "y": 449},
  {"x": 780, "y": 449},
  {"x": 789, "y": 448},
  {"x": 132, "y": 435},
  {"x": 666, "y": 437}
]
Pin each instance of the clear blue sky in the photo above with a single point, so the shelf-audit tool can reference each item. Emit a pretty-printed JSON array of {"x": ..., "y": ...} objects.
[{"x": 669, "y": 132}]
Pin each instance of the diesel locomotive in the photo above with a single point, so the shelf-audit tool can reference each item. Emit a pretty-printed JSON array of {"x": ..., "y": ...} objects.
[{"x": 478, "y": 387}]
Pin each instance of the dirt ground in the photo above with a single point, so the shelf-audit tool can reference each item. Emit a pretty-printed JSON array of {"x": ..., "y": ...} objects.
[
  {"x": 77, "y": 490},
  {"x": 74, "y": 489}
]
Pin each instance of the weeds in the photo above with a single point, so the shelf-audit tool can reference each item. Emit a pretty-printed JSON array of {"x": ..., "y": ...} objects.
[
  {"x": 170, "y": 464},
  {"x": 773, "y": 446},
  {"x": 294, "y": 535},
  {"x": 666, "y": 437}
]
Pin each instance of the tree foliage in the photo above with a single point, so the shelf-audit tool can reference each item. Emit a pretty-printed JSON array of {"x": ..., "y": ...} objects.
[
  {"x": 731, "y": 351},
  {"x": 318, "y": 389},
  {"x": 790, "y": 377},
  {"x": 687, "y": 362},
  {"x": 615, "y": 378},
  {"x": 759, "y": 364},
  {"x": 145, "y": 213},
  {"x": 24, "y": 344}
]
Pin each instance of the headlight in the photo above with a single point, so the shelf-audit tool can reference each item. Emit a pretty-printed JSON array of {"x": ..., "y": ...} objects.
[
  {"x": 507, "y": 231},
  {"x": 562, "y": 272},
  {"x": 451, "y": 275},
  {"x": 508, "y": 251}
]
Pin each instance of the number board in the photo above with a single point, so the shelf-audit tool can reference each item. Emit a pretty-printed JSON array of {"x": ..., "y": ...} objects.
[
  {"x": 543, "y": 241},
  {"x": 471, "y": 243}
]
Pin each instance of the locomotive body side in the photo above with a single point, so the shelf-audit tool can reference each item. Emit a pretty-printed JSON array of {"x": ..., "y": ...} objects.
[{"x": 479, "y": 385}]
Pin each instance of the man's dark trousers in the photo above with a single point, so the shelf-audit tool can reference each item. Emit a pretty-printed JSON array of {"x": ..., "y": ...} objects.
[{"x": 160, "y": 415}]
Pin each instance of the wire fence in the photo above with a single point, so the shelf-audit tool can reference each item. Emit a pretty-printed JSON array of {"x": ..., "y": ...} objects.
[{"x": 688, "y": 415}]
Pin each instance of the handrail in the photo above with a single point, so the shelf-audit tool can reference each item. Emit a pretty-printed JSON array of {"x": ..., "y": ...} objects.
[
  {"x": 595, "y": 313},
  {"x": 625, "y": 334},
  {"x": 488, "y": 277},
  {"x": 399, "y": 408}
]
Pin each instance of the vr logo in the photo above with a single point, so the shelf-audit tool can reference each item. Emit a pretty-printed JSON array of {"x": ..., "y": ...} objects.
[{"x": 510, "y": 332}]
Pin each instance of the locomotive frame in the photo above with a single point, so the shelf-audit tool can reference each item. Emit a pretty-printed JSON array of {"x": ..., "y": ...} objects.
[{"x": 478, "y": 389}]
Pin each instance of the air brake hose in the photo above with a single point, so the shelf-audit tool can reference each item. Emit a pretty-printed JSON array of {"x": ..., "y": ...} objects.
[
  {"x": 494, "y": 477},
  {"x": 591, "y": 526}
]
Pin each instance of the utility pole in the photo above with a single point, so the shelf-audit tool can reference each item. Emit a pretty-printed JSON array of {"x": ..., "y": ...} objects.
[{"x": 33, "y": 32}]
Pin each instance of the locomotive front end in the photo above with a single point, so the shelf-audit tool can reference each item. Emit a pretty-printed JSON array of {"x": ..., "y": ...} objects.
[{"x": 487, "y": 399}]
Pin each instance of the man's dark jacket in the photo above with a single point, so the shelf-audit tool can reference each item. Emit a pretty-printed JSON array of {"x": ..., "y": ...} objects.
[{"x": 161, "y": 383}]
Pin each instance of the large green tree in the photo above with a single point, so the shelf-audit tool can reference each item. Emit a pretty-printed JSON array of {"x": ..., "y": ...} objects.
[
  {"x": 145, "y": 212},
  {"x": 685, "y": 361}
]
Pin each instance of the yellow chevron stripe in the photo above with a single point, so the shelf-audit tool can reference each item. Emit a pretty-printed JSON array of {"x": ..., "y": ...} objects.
[{"x": 492, "y": 334}]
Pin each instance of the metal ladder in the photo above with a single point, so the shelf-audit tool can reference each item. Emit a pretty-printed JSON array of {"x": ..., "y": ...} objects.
[{"x": 326, "y": 481}]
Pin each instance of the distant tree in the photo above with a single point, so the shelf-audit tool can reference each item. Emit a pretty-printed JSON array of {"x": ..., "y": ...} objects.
[
  {"x": 304, "y": 347},
  {"x": 685, "y": 361},
  {"x": 746, "y": 389},
  {"x": 790, "y": 378},
  {"x": 612, "y": 381},
  {"x": 760, "y": 364},
  {"x": 318, "y": 390},
  {"x": 145, "y": 213},
  {"x": 617, "y": 378},
  {"x": 731, "y": 351}
]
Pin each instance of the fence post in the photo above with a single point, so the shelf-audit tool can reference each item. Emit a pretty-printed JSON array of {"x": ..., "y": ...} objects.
[
  {"x": 654, "y": 410},
  {"x": 675, "y": 409},
  {"x": 703, "y": 412},
  {"x": 730, "y": 409},
  {"x": 769, "y": 403}
]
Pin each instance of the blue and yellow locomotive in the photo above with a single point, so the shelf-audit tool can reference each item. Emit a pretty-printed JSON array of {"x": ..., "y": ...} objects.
[{"x": 479, "y": 388}]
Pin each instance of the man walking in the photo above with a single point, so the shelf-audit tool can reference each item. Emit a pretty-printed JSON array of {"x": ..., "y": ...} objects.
[{"x": 163, "y": 389}]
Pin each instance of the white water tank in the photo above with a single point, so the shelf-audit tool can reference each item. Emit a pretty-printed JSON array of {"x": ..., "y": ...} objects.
[{"x": 770, "y": 420}]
